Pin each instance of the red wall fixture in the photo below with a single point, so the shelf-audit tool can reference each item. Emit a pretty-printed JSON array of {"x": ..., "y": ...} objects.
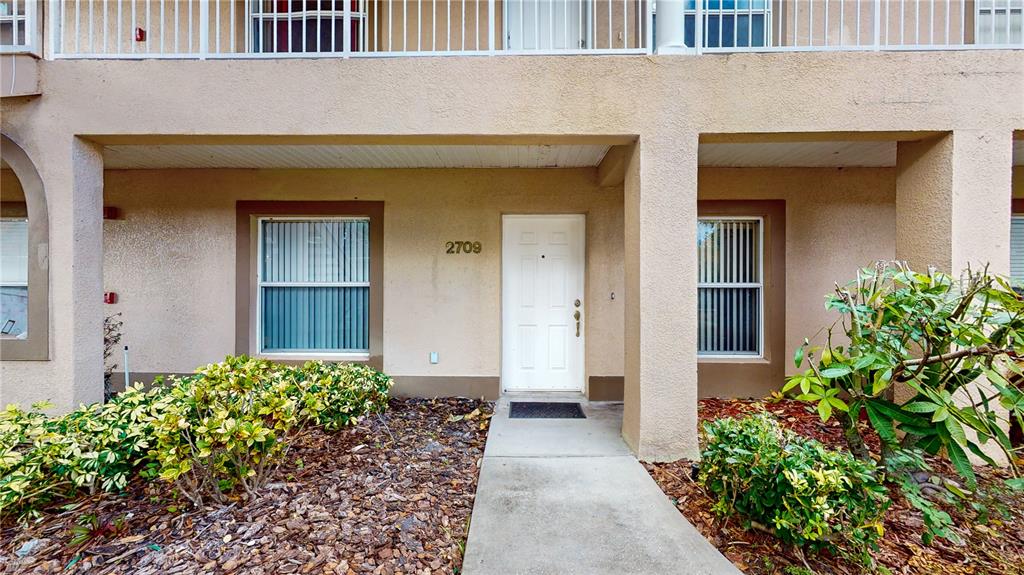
[{"x": 109, "y": 297}]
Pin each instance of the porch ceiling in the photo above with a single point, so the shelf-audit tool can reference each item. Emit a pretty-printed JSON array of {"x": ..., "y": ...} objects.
[{"x": 353, "y": 156}]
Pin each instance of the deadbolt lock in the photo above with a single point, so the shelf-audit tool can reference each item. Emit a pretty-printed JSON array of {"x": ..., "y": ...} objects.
[{"x": 577, "y": 303}]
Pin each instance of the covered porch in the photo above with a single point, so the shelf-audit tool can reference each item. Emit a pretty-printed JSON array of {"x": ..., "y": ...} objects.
[{"x": 178, "y": 226}]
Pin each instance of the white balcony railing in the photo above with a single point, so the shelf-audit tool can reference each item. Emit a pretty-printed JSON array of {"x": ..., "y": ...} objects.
[
  {"x": 19, "y": 26},
  {"x": 355, "y": 28},
  {"x": 780, "y": 25},
  {"x": 345, "y": 28}
]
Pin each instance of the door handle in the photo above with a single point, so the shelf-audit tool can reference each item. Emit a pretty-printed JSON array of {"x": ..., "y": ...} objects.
[{"x": 576, "y": 316}]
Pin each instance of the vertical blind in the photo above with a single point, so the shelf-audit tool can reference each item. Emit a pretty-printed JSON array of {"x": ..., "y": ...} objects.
[
  {"x": 315, "y": 285},
  {"x": 729, "y": 286},
  {"x": 1017, "y": 248}
]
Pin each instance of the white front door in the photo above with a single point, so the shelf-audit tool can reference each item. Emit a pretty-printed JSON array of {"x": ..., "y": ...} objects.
[{"x": 542, "y": 302}]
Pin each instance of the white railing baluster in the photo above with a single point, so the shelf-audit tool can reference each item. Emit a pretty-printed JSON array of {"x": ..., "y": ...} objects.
[
  {"x": 280, "y": 27},
  {"x": 1009, "y": 15},
  {"x": 698, "y": 27},
  {"x": 859, "y": 22},
  {"x": 810, "y": 24},
  {"x": 216, "y": 33},
  {"x": 204, "y": 28},
  {"x": 346, "y": 34},
  {"x": 877, "y": 38},
  {"x": 931, "y": 25}
]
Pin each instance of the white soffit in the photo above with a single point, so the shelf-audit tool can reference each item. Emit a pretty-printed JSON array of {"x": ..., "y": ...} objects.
[
  {"x": 798, "y": 154},
  {"x": 352, "y": 156}
]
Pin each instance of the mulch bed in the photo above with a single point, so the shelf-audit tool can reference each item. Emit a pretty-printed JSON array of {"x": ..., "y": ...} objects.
[
  {"x": 391, "y": 495},
  {"x": 993, "y": 547}
]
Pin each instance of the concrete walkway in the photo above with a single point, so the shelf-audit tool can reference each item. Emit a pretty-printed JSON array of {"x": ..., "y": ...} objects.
[{"x": 562, "y": 496}]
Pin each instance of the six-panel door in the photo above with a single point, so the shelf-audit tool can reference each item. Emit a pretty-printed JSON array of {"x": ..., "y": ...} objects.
[{"x": 542, "y": 302}]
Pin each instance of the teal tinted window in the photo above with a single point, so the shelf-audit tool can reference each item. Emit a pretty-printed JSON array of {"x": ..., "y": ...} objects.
[{"x": 314, "y": 285}]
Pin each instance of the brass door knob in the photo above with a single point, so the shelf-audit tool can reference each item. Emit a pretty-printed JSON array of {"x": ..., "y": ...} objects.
[{"x": 576, "y": 316}]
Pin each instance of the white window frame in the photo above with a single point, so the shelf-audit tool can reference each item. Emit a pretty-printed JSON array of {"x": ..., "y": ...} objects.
[
  {"x": 29, "y": 44},
  {"x": 991, "y": 8},
  {"x": 260, "y": 284},
  {"x": 23, "y": 284},
  {"x": 759, "y": 285}
]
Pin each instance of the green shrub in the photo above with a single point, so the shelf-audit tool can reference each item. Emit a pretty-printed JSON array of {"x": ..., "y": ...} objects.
[
  {"x": 803, "y": 492},
  {"x": 227, "y": 426},
  {"x": 96, "y": 447},
  {"x": 333, "y": 394}
]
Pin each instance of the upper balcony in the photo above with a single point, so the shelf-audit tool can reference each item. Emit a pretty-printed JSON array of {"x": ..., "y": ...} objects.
[{"x": 137, "y": 29}]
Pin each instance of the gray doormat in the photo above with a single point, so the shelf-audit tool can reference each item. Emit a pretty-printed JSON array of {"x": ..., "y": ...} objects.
[{"x": 545, "y": 410}]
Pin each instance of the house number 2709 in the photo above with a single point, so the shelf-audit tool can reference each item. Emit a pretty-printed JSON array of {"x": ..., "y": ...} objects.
[{"x": 462, "y": 247}]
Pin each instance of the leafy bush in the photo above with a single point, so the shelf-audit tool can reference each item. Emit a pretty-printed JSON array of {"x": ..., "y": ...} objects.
[
  {"x": 794, "y": 487},
  {"x": 225, "y": 427},
  {"x": 333, "y": 395},
  {"x": 930, "y": 359},
  {"x": 96, "y": 447},
  {"x": 934, "y": 336},
  {"x": 230, "y": 424}
]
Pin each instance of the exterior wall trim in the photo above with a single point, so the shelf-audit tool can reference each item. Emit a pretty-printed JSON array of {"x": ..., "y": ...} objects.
[
  {"x": 247, "y": 212},
  {"x": 732, "y": 377},
  {"x": 606, "y": 387},
  {"x": 35, "y": 347}
]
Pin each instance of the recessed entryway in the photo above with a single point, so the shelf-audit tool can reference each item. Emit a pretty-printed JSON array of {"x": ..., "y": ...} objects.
[{"x": 542, "y": 302}]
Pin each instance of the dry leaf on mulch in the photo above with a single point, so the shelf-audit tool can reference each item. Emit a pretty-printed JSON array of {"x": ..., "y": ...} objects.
[
  {"x": 391, "y": 495},
  {"x": 993, "y": 548}
]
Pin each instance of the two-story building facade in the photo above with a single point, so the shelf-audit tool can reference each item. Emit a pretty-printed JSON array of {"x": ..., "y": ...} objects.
[{"x": 633, "y": 200}]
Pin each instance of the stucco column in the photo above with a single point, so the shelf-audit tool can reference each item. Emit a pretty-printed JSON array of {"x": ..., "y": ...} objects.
[
  {"x": 85, "y": 226},
  {"x": 71, "y": 171},
  {"x": 953, "y": 196},
  {"x": 660, "y": 412},
  {"x": 953, "y": 204}
]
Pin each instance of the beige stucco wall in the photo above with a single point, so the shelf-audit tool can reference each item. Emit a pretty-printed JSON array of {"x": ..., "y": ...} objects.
[
  {"x": 171, "y": 256},
  {"x": 171, "y": 259},
  {"x": 664, "y": 102},
  {"x": 837, "y": 221}
]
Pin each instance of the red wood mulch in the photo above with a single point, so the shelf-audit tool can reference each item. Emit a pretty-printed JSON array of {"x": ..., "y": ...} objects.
[
  {"x": 993, "y": 547},
  {"x": 390, "y": 495}
]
